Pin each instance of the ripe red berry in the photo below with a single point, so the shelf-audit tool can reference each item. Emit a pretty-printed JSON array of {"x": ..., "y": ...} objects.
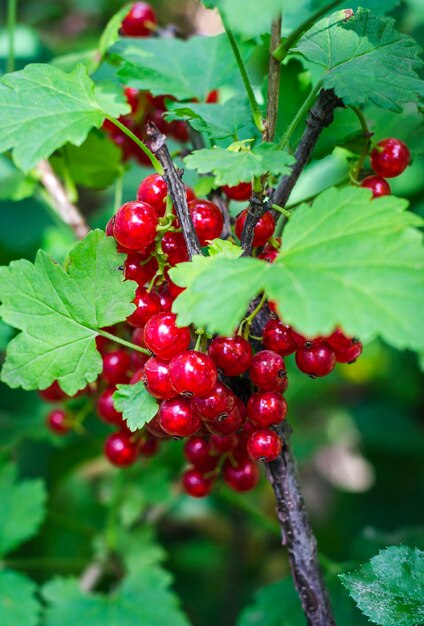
[
  {"x": 157, "y": 380},
  {"x": 239, "y": 192},
  {"x": 241, "y": 477},
  {"x": 120, "y": 450},
  {"x": 173, "y": 289},
  {"x": 106, "y": 409},
  {"x": 148, "y": 447},
  {"x": 155, "y": 429},
  {"x": 135, "y": 225},
  {"x": 179, "y": 131},
  {"x": 316, "y": 361},
  {"x": 153, "y": 190},
  {"x": 217, "y": 404},
  {"x": 174, "y": 246},
  {"x": 139, "y": 21},
  {"x": 266, "y": 408},
  {"x": 212, "y": 97},
  {"x": 58, "y": 422},
  {"x": 177, "y": 418},
  {"x": 195, "y": 484},
  {"x": 147, "y": 303},
  {"x": 192, "y": 373},
  {"x": 231, "y": 423},
  {"x": 164, "y": 338},
  {"x": 115, "y": 367},
  {"x": 268, "y": 371},
  {"x": 278, "y": 337},
  {"x": 264, "y": 228},
  {"x": 232, "y": 355},
  {"x": 109, "y": 226},
  {"x": 54, "y": 393},
  {"x": 140, "y": 269},
  {"x": 306, "y": 342},
  {"x": 349, "y": 354},
  {"x": 390, "y": 158},
  {"x": 197, "y": 451},
  {"x": 338, "y": 340},
  {"x": 264, "y": 445},
  {"x": 379, "y": 186},
  {"x": 207, "y": 219},
  {"x": 269, "y": 256},
  {"x": 223, "y": 443},
  {"x": 131, "y": 95},
  {"x": 166, "y": 299}
]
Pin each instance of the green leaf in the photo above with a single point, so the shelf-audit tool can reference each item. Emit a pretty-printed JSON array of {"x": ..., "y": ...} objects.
[
  {"x": 389, "y": 589},
  {"x": 184, "y": 69},
  {"x": 18, "y": 603},
  {"x": 407, "y": 126},
  {"x": 22, "y": 510},
  {"x": 59, "y": 313},
  {"x": 136, "y": 404},
  {"x": 111, "y": 32},
  {"x": 215, "y": 120},
  {"x": 224, "y": 248},
  {"x": 42, "y": 108},
  {"x": 143, "y": 598},
  {"x": 231, "y": 168},
  {"x": 14, "y": 185},
  {"x": 79, "y": 164},
  {"x": 359, "y": 54}
]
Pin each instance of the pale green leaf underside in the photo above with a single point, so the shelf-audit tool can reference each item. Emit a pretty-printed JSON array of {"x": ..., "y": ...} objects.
[
  {"x": 231, "y": 168},
  {"x": 216, "y": 120},
  {"x": 365, "y": 59},
  {"x": 389, "y": 589},
  {"x": 59, "y": 313},
  {"x": 18, "y": 603},
  {"x": 136, "y": 404},
  {"x": 42, "y": 108}
]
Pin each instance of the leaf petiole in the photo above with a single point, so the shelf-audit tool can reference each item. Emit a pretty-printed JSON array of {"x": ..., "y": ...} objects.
[{"x": 155, "y": 163}]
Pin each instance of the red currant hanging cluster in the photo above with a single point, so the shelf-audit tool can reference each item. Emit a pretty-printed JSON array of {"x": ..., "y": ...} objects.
[{"x": 389, "y": 158}]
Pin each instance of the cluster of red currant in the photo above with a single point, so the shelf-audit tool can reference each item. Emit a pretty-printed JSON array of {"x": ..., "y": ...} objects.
[{"x": 389, "y": 158}]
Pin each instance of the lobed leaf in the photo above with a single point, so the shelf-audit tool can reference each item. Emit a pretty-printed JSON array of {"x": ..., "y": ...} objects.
[
  {"x": 136, "y": 404},
  {"x": 19, "y": 605}
]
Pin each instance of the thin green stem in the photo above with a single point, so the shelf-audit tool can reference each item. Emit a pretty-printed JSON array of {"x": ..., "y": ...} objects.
[
  {"x": 247, "y": 322},
  {"x": 367, "y": 143},
  {"x": 285, "y": 46},
  {"x": 299, "y": 115},
  {"x": 128, "y": 344},
  {"x": 117, "y": 200},
  {"x": 287, "y": 213},
  {"x": 11, "y": 26},
  {"x": 256, "y": 514},
  {"x": 155, "y": 163},
  {"x": 256, "y": 112}
]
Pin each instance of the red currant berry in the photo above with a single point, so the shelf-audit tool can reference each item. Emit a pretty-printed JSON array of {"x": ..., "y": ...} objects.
[
  {"x": 120, "y": 450},
  {"x": 390, "y": 158},
  {"x": 174, "y": 246},
  {"x": 278, "y": 337},
  {"x": 192, "y": 373},
  {"x": 232, "y": 355},
  {"x": 263, "y": 229},
  {"x": 241, "y": 477},
  {"x": 264, "y": 445},
  {"x": 140, "y": 269},
  {"x": 267, "y": 370},
  {"x": 157, "y": 380},
  {"x": 166, "y": 299},
  {"x": 231, "y": 423},
  {"x": 240, "y": 192},
  {"x": 197, "y": 451},
  {"x": 350, "y": 353},
  {"x": 106, "y": 409},
  {"x": 109, "y": 227},
  {"x": 131, "y": 95},
  {"x": 177, "y": 418},
  {"x": 379, "y": 186},
  {"x": 207, "y": 219},
  {"x": 217, "y": 404},
  {"x": 164, "y": 338},
  {"x": 306, "y": 342},
  {"x": 316, "y": 361},
  {"x": 179, "y": 131},
  {"x": 140, "y": 21},
  {"x": 153, "y": 190},
  {"x": 58, "y": 422},
  {"x": 223, "y": 443},
  {"x": 173, "y": 289},
  {"x": 195, "y": 484},
  {"x": 115, "y": 367},
  {"x": 148, "y": 447},
  {"x": 53, "y": 393},
  {"x": 212, "y": 97},
  {"x": 269, "y": 256},
  {"x": 266, "y": 408},
  {"x": 147, "y": 303},
  {"x": 155, "y": 429},
  {"x": 135, "y": 225},
  {"x": 338, "y": 340}
]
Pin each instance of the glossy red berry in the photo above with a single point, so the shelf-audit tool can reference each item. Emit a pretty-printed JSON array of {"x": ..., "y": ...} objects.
[
  {"x": 198, "y": 451},
  {"x": 157, "y": 380},
  {"x": 58, "y": 422},
  {"x": 338, "y": 340},
  {"x": 223, "y": 443},
  {"x": 155, "y": 429},
  {"x": 349, "y": 354},
  {"x": 266, "y": 408},
  {"x": 138, "y": 268},
  {"x": 318, "y": 360},
  {"x": 207, "y": 219},
  {"x": 165, "y": 297},
  {"x": 54, "y": 393},
  {"x": 174, "y": 289},
  {"x": 390, "y": 158},
  {"x": 192, "y": 373},
  {"x": 306, "y": 342},
  {"x": 164, "y": 338},
  {"x": 231, "y": 423},
  {"x": 268, "y": 371},
  {"x": 140, "y": 20},
  {"x": 153, "y": 190},
  {"x": 232, "y": 355},
  {"x": 241, "y": 477},
  {"x": 148, "y": 447},
  {"x": 239, "y": 192},
  {"x": 106, "y": 409},
  {"x": 120, "y": 450},
  {"x": 264, "y": 228},
  {"x": 109, "y": 227},
  {"x": 212, "y": 97},
  {"x": 217, "y": 404},
  {"x": 379, "y": 186},
  {"x": 264, "y": 445},
  {"x": 174, "y": 246},
  {"x": 195, "y": 484},
  {"x": 115, "y": 367},
  {"x": 278, "y": 337},
  {"x": 177, "y": 418},
  {"x": 147, "y": 304},
  {"x": 135, "y": 225},
  {"x": 131, "y": 95}
]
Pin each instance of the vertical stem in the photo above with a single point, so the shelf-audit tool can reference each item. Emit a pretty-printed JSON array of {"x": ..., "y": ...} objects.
[
  {"x": 11, "y": 25},
  {"x": 297, "y": 118},
  {"x": 273, "y": 83}
]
